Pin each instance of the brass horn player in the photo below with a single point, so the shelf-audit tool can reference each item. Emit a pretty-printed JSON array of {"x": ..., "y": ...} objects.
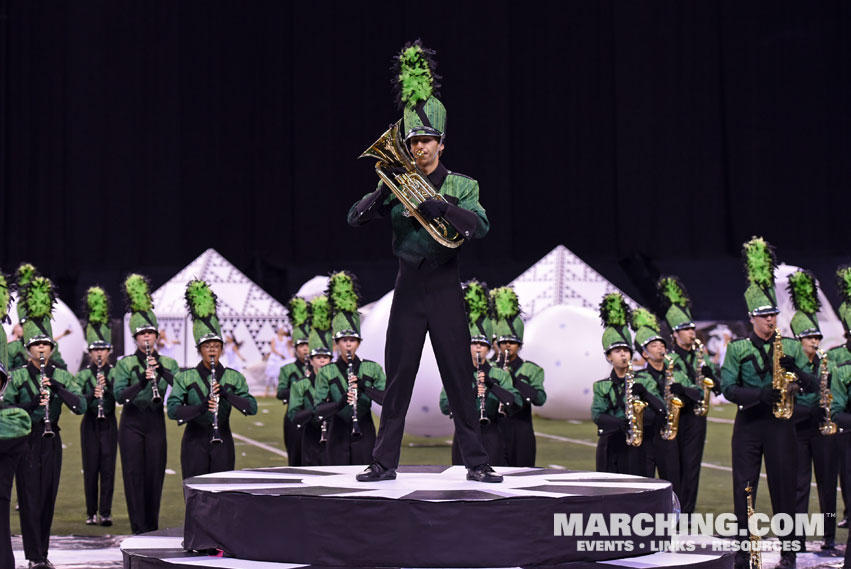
[
  {"x": 428, "y": 295},
  {"x": 814, "y": 429},
  {"x": 746, "y": 380}
]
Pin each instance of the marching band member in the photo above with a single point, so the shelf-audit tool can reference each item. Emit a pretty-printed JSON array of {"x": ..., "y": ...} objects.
[
  {"x": 15, "y": 426},
  {"x": 608, "y": 406},
  {"x": 141, "y": 380},
  {"x": 427, "y": 295},
  {"x": 349, "y": 441},
  {"x": 302, "y": 408},
  {"x": 201, "y": 400},
  {"x": 839, "y": 355},
  {"x": 816, "y": 443},
  {"x": 687, "y": 362},
  {"x": 496, "y": 396},
  {"x": 672, "y": 387},
  {"x": 298, "y": 313},
  {"x": 99, "y": 428},
  {"x": 18, "y": 355},
  {"x": 747, "y": 380},
  {"x": 527, "y": 378},
  {"x": 40, "y": 388}
]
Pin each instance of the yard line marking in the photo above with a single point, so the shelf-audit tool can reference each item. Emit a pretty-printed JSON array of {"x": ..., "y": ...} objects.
[
  {"x": 720, "y": 420},
  {"x": 258, "y": 444}
]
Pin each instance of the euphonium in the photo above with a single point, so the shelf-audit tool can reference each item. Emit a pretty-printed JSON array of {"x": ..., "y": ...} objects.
[
  {"x": 633, "y": 409},
  {"x": 673, "y": 404},
  {"x": 705, "y": 383},
  {"x": 215, "y": 438},
  {"x": 782, "y": 380},
  {"x": 400, "y": 174},
  {"x": 827, "y": 427},
  {"x": 755, "y": 558}
]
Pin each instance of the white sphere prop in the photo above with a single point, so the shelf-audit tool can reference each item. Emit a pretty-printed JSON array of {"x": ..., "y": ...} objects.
[
  {"x": 71, "y": 346},
  {"x": 565, "y": 341},
  {"x": 424, "y": 417}
]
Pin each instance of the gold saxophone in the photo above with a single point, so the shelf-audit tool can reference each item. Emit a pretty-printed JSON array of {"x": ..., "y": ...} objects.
[
  {"x": 706, "y": 383},
  {"x": 755, "y": 558},
  {"x": 633, "y": 409},
  {"x": 782, "y": 381},
  {"x": 673, "y": 404},
  {"x": 399, "y": 172},
  {"x": 827, "y": 427}
]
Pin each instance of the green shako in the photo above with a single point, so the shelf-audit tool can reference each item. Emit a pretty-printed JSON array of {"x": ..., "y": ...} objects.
[
  {"x": 646, "y": 328},
  {"x": 96, "y": 315},
  {"x": 298, "y": 313},
  {"x": 760, "y": 263},
  {"x": 803, "y": 288},
  {"x": 416, "y": 84},
  {"x": 616, "y": 316},
  {"x": 675, "y": 302},
  {"x": 344, "y": 298},
  {"x": 202, "y": 303},
  {"x": 38, "y": 299},
  {"x": 319, "y": 341},
  {"x": 508, "y": 326},
  {"x": 137, "y": 292},
  {"x": 843, "y": 282},
  {"x": 478, "y": 305}
]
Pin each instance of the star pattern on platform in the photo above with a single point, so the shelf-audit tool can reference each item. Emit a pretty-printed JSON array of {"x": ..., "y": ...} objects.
[{"x": 423, "y": 483}]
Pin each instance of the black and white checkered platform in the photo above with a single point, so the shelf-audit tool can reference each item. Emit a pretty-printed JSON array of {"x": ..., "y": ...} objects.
[{"x": 430, "y": 516}]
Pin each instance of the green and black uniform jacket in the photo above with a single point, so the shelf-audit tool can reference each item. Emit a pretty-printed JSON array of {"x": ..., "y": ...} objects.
[
  {"x": 131, "y": 385},
  {"x": 191, "y": 392},
  {"x": 288, "y": 374},
  {"x": 607, "y": 405},
  {"x": 14, "y": 421},
  {"x": 749, "y": 366},
  {"x": 691, "y": 394},
  {"x": 528, "y": 379},
  {"x": 500, "y": 389},
  {"x": 87, "y": 380},
  {"x": 332, "y": 386},
  {"x": 840, "y": 354},
  {"x": 301, "y": 408},
  {"x": 23, "y": 392}
]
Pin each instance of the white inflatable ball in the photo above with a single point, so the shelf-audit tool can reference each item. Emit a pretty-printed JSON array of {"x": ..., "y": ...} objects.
[
  {"x": 424, "y": 417},
  {"x": 565, "y": 341}
]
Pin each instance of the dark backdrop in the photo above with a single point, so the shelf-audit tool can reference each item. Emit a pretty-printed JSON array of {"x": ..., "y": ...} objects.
[{"x": 645, "y": 136}]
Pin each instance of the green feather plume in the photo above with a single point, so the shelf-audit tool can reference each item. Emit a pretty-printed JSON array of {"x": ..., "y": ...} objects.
[
  {"x": 803, "y": 288},
  {"x": 614, "y": 311},
  {"x": 24, "y": 274},
  {"x": 672, "y": 292},
  {"x": 343, "y": 292},
  {"x": 843, "y": 282},
  {"x": 320, "y": 310},
  {"x": 506, "y": 305},
  {"x": 137, "y": 291},
  {"x": 38, "y": 298},
  {"x": 641, "y": 317},
  {"x": 96, "y": 306},
  {"x": 760, "y": 262},
  {"x": 5, "y": 296},
  {"x": 298, "y": 311},
  {"x": 201, "y": 301},
  {"x": 477, "y": 300},
  {"x": 414, "y": 74}
]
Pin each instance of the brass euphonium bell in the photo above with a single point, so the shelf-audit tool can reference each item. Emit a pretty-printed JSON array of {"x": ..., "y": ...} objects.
[{"x": 400, "y": 174}]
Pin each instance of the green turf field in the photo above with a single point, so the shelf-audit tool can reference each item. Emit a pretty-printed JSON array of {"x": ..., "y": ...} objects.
[{"x": 569, "y": 444}]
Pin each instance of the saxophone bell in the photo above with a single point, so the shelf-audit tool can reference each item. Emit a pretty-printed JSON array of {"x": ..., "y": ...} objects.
[{"x": 673, "y": 404}]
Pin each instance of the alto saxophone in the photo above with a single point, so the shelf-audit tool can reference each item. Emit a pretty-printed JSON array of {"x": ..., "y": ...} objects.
[
  {"x": 633, "y": 409},
  {"x": 827, "y": 427},
  {"x": 755, "y": 558},
  {"x": 706, "y": 383},
  {"x": 673, "y": 404},
  {"x": 782, "y": 380}
]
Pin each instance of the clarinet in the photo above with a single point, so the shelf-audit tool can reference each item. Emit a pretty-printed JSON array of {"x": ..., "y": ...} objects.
[
  {"x": 156, "y": 398},
  {"x": 216, "y": 439},
  {"x": 483, "y": 419},
  {"x": 101, "y": 416},
  {"x": 356, "y": 432},
  {"x": 48, "y": 430},
  {"x": 501, "y": 409}
]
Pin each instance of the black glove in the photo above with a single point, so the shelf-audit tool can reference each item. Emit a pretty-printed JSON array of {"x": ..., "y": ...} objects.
[
  {"x": 716, "y": 389},
  {"x": 432, "y": 208},
  {"x": 770, "y": 396},
  {"x": 843, "y": 419},
  {"x": 678, "y": 389},
  {"x": 788, "y": 362},
  {"x": 638, "y": 389},
  {"x": 707, "y": 372}
]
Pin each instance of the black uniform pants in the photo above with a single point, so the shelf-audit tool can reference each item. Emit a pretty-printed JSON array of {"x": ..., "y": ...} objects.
[
  {"x": 141, "y": 438},
  {"x": 843, "y": 441},
  {"x": 519, "y": 435},
  {"x": 343, "y": 448},
  {"x": 37, "y": 480},
  {"x": 428, "y": 299},
  {"x": 99, "y": 446},
  {"x": 691, "y": 439},
  {"x": 292, "y": 441},
  {"x": 11, "y": 453},
  {"x": 663, "y": 456},
  {"x": 614, "y": 455},
  {"x": 493, "y": 440},
  {"x": 312, "y": 452},
  {"x": 817, "y": 452},
  {"x": 200, "y": 456},
  {"x": 757, "y": 434}
]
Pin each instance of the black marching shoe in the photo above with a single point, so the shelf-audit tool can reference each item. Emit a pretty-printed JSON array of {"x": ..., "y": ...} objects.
[
  {"x": 787, "y": 560},
  {"x": 105, "y": 521},
  {"x": 91, "y": 520},
  {"x": 843, "y": 523},
  {"x": 828, "y": 549},
  {"x": 483, "y": 473},
  {"x": 376, "y": 473}
]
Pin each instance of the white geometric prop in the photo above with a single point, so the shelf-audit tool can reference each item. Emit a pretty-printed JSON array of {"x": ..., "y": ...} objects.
[{"x": 829, "y": 324}]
